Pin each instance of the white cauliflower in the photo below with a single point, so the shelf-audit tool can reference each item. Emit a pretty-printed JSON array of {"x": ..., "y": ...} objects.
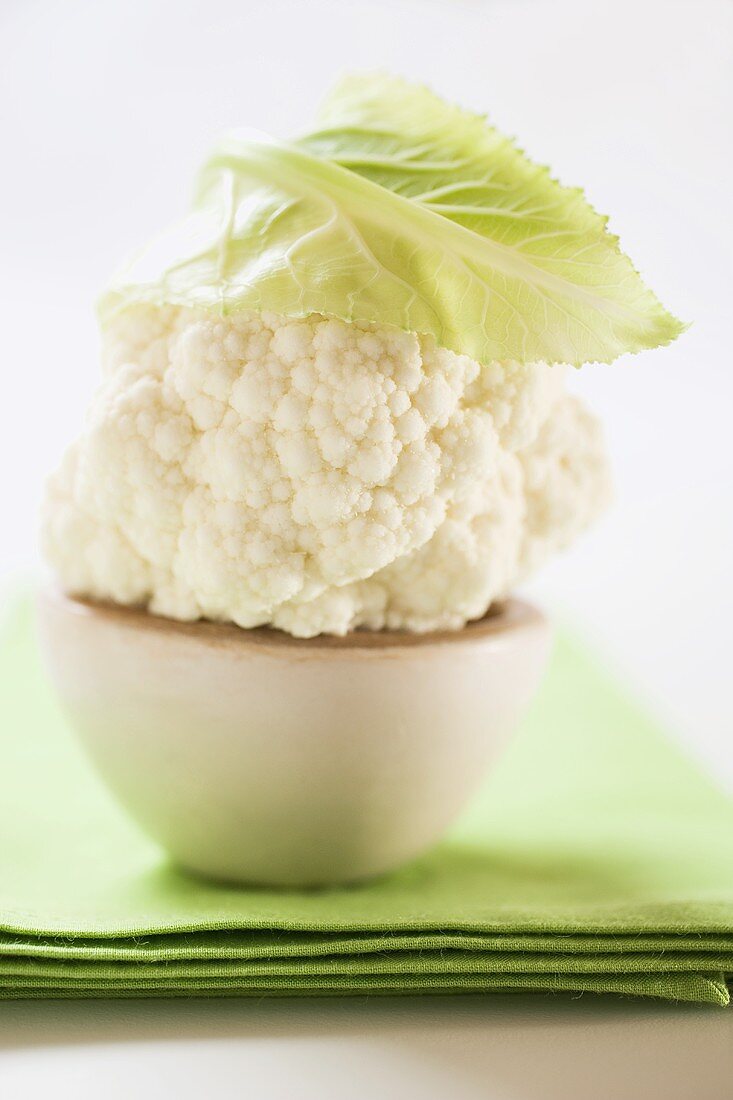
[{"x": 315, "y": 475}]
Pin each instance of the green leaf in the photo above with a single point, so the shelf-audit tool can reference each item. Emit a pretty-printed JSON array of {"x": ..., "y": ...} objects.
[{"x": 406, "y": 211}]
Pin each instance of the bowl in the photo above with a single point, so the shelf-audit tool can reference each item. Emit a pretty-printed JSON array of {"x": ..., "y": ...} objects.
[{"x": 258, "y": 758}]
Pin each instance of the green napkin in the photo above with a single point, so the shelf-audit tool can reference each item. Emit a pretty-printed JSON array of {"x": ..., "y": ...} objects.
[{"x": 596, "y": 858}]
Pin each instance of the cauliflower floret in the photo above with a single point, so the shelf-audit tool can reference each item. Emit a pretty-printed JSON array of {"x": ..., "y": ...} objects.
[{"x": 314, "y": 474}]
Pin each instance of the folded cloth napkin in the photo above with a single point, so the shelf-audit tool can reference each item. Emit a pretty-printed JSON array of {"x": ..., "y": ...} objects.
[{"x": 597, "y": 858}]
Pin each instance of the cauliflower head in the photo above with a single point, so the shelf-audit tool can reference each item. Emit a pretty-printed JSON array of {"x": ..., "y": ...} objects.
[{"x": 315, "y": 475}]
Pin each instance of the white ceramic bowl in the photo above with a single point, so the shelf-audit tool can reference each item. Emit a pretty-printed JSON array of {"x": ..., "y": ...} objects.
[{"x": 256, "y": 757}]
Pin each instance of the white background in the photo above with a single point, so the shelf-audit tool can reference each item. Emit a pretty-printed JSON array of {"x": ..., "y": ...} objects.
[{"x": 106, "y": 109}]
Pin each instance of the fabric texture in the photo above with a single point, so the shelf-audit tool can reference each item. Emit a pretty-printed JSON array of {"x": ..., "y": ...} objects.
[{"x": 597, "y": 858}]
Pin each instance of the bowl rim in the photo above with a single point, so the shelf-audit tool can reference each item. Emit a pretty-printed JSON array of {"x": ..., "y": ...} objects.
[{"x": 502, "y": 618}]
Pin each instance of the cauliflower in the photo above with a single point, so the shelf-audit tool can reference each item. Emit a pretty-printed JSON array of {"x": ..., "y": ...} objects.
[{"x": 315, "y": 475}]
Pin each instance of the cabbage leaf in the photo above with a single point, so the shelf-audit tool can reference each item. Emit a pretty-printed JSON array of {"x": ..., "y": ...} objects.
[{"x": 403, "y": 210}]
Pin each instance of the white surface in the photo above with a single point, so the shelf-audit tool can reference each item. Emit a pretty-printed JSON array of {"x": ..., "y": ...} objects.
[
  {"x": 462, "y": 1048},
  {"x": 107, "y": 109}
]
